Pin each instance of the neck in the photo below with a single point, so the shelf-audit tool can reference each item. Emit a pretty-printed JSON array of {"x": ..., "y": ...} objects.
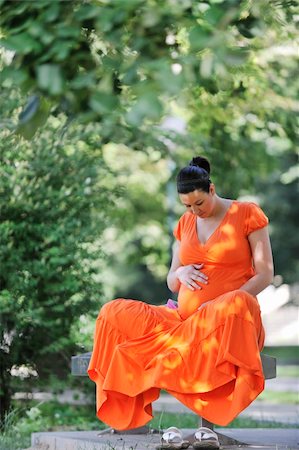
[{"x": 220, "y": 205}]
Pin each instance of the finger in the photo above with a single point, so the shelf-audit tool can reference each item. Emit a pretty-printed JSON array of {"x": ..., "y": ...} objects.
[
  {"x": 198, "y": 266},
  {"x": 196, "y": 275},
  {"x": 200, "y": 279},
  {"x": 201, "y": 274},
  {"x": 188, "y": 285},
  {"x": 192, "y": 285}
]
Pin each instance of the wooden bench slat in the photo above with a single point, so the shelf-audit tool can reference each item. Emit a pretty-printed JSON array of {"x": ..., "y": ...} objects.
[{"x": 80, "y": 365}]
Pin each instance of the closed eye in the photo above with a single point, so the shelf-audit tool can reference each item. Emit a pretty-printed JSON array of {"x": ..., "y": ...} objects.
[{"x": 197, "y": 204}]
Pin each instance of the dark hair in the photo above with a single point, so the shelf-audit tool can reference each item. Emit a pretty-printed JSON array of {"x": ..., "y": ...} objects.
[{"x": 195, "y": 176}]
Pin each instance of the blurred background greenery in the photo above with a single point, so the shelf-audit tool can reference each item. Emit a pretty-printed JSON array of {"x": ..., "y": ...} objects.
[{"x": 102, "y": 102}]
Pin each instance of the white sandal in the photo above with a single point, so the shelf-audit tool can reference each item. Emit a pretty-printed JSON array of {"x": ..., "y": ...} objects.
[
  {"x": 204, "y": 438},
  {"x": 172, "y": 438}
]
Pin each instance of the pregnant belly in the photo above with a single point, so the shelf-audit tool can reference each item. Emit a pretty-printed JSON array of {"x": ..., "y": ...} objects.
[{"x": 189, "y": 301}]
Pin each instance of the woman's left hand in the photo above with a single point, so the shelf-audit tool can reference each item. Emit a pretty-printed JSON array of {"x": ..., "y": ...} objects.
[{"x": 191, "y": 275}]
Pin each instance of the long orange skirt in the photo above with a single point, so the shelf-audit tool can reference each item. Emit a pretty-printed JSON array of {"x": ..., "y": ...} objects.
[{"x": 210, "y": 362}]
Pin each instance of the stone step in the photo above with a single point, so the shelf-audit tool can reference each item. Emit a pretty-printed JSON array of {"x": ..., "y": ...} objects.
[{"x": 267, "y": 439}]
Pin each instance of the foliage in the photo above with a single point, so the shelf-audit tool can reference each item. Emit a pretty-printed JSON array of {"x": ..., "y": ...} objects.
[
  {"x": 51, "y": 221},
  {"x": 90, "y": 83},
  {"x": 281, "y": 193},
  {"x": 17, "y": 428},
  {"x": 281, "y": 187},
  {"x": 121, "y": 62},
  {"x": 20, "y": 422},
  {"x": 137, "y": 246}
]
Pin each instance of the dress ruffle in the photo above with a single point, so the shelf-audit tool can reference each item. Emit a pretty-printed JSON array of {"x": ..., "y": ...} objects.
[{"x": 210, "y": 362}]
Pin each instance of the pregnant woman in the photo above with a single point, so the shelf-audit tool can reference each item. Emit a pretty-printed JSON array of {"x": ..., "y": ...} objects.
[{"x": 206, "y": 351}]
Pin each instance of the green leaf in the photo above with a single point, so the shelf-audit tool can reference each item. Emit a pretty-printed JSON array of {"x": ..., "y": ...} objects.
[
  {"x": 83, "y": 80},
  {"x": 58, "y": 51},
  {"x": 236, "y": 57},
  {"x": 52, "y": 12},
  {"x": 165, "y": 74},
  {"x": 87, "y": 12},
  {"x": 103, "y": 103},
  {"x": 50, "y": 79},
  {"x": 21, "y": 43},
  {"x": 147, "y": 106},
  {"x": 30, "y": 109},
  {"x": 214, "y": 14},
  {"x": 38, "y": 31},
  {"x": 11, "y": 75},
  {"x": 33, "y": 116},
  {"x": 68, "y": 32},
  {"x": 131, "y": 75},
  {"x": 199, "y": 38}
]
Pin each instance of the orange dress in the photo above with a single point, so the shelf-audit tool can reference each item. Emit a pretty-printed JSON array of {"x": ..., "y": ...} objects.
[{"x": 208, "y": 358}]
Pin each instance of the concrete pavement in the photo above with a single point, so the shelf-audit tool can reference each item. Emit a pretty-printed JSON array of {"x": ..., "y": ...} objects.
[{"x": 254, "y": 439}]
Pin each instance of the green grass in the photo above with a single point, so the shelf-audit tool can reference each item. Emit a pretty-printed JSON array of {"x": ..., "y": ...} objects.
[
  {"x": 72, "y": 417},
  {"x": 288, "y": 371},
  {"x": 275, "y": 397},
  {"x": 284, "y": 354},
  {"x": 164, "y": 420},
  {"x": 16, "y": 431}
]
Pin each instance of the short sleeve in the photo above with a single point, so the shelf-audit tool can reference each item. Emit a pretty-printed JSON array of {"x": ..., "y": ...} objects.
[
  {"x": 180, "y": 227},
  {"x": 255, "y": 218}
]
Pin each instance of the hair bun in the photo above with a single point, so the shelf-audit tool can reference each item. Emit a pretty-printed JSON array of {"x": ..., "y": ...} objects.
[{"x": 201, "y": 162}]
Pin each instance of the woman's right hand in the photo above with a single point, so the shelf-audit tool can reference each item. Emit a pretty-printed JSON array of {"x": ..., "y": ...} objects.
[{"x": 191, "y": 275}]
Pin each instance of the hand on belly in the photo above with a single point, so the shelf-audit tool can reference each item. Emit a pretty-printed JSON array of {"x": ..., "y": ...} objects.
[{"x": 191, "y": 276}]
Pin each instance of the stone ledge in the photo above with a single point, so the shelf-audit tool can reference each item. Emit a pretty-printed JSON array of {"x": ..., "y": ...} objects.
[{"x": 267, "y": 439}]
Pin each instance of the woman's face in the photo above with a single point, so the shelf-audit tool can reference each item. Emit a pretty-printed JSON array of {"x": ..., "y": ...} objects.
[{"x": 199, "y": 203}]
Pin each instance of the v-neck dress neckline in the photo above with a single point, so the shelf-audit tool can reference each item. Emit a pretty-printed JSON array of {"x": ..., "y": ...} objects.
[{"x": 216, "y": 229}]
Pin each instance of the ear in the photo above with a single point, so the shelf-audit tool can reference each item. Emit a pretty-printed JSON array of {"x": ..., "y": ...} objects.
[{"x": 212, "y": 189}]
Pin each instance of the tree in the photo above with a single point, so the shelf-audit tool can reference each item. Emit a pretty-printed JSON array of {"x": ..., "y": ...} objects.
[
  {"x": 121, "y": 62},
  {"x": 51, "y": 220},
  {"x": 281, "y": 190}
]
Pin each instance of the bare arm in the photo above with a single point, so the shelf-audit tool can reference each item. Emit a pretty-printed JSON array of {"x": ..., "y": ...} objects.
[
  {"x": 262, "y": 261},
  {"x": 172, "y": 281},
  {"x": 187, "y": 275}
]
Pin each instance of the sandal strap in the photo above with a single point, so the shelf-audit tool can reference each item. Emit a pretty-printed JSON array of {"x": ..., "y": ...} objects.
[
  {"x": 204, "y": 433},
  {"x": 172, "y": 435}
]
